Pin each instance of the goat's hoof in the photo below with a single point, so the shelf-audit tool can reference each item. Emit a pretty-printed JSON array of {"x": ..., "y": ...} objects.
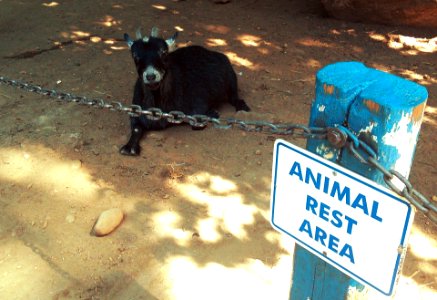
[
  {"x": 198, "y": 128},
  {"x": 213, "y": 114},
  {"x": 241, "y": 105},
  {"x": 130, "y": 150}
]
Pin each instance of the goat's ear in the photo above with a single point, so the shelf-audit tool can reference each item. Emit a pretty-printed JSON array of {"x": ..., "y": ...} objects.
[
  {"x": 128, "y": 40},
  {"x": 172, "y": 40}
]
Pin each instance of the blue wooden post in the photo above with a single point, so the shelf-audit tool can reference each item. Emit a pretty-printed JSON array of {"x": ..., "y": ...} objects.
[{"x": 384, "y": 110}]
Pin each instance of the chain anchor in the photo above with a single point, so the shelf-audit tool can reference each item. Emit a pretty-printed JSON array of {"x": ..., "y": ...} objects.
[{"x": 336, "y": 137}]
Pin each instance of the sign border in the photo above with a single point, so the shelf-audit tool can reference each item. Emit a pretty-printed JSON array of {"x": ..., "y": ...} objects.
[{"x": 339, "y": 169}]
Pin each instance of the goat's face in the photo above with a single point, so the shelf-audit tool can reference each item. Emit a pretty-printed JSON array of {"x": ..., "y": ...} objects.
[{"x": 149, "y": 54}]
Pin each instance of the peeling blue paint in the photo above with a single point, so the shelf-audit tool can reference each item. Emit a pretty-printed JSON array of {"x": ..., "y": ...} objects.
[{"x": 373, "y": 103}]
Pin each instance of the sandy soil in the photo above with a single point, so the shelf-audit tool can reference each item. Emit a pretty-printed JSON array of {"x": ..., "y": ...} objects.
[{"x": 196, "y": 203}]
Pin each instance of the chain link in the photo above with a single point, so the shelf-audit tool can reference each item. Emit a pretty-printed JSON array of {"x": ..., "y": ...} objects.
[
  {"x": 296, "y": 130},
  {"x": 407, "y": 190},
  {"x": 175, "y": 117}
]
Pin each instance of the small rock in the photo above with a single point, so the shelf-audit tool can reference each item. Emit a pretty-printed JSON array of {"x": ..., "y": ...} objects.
[
  {"x": 258, "y": 152},
  {"x": 76, "y": 164},
  {"x": 434, "y": 198},
  {"x": 46, "y": 222},
  {"x": 107, "y": 222},
  {"x": 70, "y": 218}
]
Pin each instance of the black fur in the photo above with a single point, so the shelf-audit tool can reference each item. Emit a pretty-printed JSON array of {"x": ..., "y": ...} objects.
[{"x": 195, "y": 81}]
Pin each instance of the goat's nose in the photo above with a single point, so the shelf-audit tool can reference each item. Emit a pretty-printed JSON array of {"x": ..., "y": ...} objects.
[{"x": 150, "y": 77}]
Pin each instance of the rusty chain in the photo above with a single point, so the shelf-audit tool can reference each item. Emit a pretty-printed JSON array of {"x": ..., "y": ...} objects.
[
  {"x": 340, "y": 135},
  {"x": 408, "y": 191}
]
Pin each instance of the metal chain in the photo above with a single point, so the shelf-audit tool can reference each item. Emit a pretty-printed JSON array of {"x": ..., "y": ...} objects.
[
  {"x": 176, "y": 117},
  {"x": 339, "y": 136},
  {"x": 428, "y": 208}
]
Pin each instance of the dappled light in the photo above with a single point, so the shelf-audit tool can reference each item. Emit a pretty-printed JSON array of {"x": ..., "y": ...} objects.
[
  {"x": 79, "y": 34},
  {"x": 422, "y": 246},
  {"x": 407, "y": 45},
  {"x": 314, "y": 43},
  {"x": 119, "y": 48},
  {"x": 82, "y": 38},
  {"x": 225, "y": 207},
  {"x": 216, "y": 42},
  {"x": 109, "y": 21},
  {"x": 408, "y": 289},
  {"x": 241, "y": 61},
  {"x": 31, "y": 169},
  {"x": 314, "y": 63},
  {"x": 251, "y": 279},
  {"x": 263, "y": 51},
  {"x": 50, "y": 4},
  {"x": 424, "y": 79},
  {"x": 170, "y": 224},
  {"x": 217, "y": 29},
  {"x": 430, "y": 116},
  {"x": 95, "y": 39},
  {"x": 249, "y": 40},
  {"x": 159, "y": 6}
]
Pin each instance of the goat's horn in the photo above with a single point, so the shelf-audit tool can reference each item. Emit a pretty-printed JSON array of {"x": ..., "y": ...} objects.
[
  {"x": 138, "y": 33},
  {"x": 154, "y": 32}
]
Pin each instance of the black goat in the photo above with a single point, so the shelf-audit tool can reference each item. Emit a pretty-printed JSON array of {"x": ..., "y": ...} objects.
[{"x": 191, "y": 79}]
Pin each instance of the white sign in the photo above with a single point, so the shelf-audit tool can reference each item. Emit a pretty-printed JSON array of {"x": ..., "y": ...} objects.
[{"x": 347, "y": 220}]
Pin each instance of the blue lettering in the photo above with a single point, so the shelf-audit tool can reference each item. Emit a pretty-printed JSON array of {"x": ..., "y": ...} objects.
[
  {"x": 341, "y": 194},
  {"x": 350, "y": 222},
  {"x": 309, "y": 175},
  {"x": 347, "y": 251},
  {"x": 320, "y": 236},
  {"x": 336, "y": 215},
  {"x": 311, "y": 204},
  {"x": 361, "y": 202},
  {"x": 336, "y": 191},
  {"x": 326, "y": 185},
  {"x": 296, "y": 170},
  {"x": 306, "y": 227},
  {"x": 333, "y": 243},
  {"x": 324, "y": 211},
  {"x": 374, "y": 213}
]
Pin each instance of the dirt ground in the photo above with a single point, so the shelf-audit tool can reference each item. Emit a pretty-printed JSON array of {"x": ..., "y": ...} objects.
[{"x": 196, "y": 203}]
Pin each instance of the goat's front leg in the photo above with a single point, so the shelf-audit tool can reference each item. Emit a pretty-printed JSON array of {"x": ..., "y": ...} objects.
[{"x": 132, "y": 148}]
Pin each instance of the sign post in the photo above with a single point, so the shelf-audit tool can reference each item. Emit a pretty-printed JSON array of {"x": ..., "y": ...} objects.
[{"x": 386, "y": 112}]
